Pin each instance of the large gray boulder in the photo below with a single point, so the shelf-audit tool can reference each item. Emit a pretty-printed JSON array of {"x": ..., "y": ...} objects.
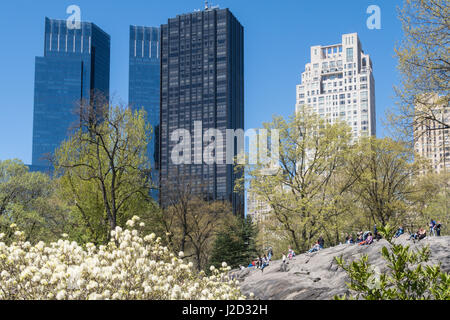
[{"x": 316, "y": 276}]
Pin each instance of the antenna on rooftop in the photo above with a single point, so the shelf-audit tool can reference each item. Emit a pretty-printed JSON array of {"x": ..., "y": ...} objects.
[{"x": 206, "y": 5}]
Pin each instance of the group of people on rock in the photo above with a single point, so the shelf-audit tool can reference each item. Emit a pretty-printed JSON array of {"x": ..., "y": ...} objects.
[
  {"x": 362, "y": 238},
  {"x": 435, "y": 230},
  {"x": 262, "y": 261}
]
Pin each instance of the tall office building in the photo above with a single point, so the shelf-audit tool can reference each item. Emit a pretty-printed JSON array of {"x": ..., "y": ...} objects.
[
  {"x": 74, "y": 68},
  {"x": 202, "y": 73},
  {"x": 338, "y": 83},
  {"x": 144, "y": 86},
  {"x": 431, "y": 136}
]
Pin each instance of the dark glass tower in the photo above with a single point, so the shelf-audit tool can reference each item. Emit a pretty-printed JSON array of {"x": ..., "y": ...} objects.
[
  {"x": 144, "y": 86},
  {"x": 74, "y": 68},
  {"x": 202, "y": 79}
]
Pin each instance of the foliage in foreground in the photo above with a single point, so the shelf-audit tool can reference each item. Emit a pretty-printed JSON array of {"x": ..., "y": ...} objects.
[
  {"x": 129, "y": 267},
  {"x": 407, "y": 278}
]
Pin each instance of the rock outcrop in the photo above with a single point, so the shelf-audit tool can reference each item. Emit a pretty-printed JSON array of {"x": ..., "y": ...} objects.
[{"x": 316, "y": 276}]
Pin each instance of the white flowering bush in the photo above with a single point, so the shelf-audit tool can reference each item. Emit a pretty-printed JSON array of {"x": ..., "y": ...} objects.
[{"x": 130, "y": 267}]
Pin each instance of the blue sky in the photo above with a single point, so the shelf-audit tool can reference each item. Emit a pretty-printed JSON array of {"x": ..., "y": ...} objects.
[{"x": 278, "y": 35}]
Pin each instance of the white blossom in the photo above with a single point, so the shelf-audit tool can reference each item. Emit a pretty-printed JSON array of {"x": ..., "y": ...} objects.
[{"x": 132, "y": 266}]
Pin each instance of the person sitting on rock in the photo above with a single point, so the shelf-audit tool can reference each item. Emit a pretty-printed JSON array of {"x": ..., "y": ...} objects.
[
  {"x": 360, "y": 237},
  {"x": 265, "y": 263},
  {"x": 315, "y": 248},
  {"x": 378, "y": 237},
  {"x": 259, "y": 262},
  {"x": 368, "y": 240},
  {"x": 350, "y": 240},
  {"x": 365, "y": 235},
  {"x": 419, "y": 235},
  {"x": 413, "y": 236},
  {"x": 321, "y": 242},
  {"x": 265, "y": 260},
  {"x": 399, "y": 232}
]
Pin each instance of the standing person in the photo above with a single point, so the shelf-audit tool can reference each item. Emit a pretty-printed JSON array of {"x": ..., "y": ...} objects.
[
  {"x": 291, "y": 253},
  {"x": 270, "y": 254},
  {"x": 438, "y": 228},
  {"x": 432, "y": 227},
  {"x": 283, "y": 265}
]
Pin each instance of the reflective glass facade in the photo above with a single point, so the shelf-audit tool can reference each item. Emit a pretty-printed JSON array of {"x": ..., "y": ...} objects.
[
  {"x": 144, "y": 85},
  {"x": 202, "y": 74},
  {"x": 75, "y": 64}
]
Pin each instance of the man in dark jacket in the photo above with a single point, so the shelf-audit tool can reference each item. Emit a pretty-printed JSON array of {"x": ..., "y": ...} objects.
[{"x": 321, "y": 242}]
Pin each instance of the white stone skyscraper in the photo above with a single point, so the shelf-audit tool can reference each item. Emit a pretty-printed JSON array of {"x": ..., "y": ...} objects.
[
  {"x": 431, "y": 136},
  {"x": 338, "y": 83}
]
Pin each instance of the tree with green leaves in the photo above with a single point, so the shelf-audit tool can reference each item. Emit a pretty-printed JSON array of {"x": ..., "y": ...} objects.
[
  {"x": 384, "y": 186},
  {"x": 190, "y": 218},
  {"x": 433, "y": 201},
  {"x": 28, "y": 200},
  {"x": 103, "y": 170},
  {"x": 305, "y": 192},
  {"x": 409, "y": 277},
  {"x": 235, "y": 243},
  {"x": 424, "y": 65},
  {"x": 204, "y": 221}
]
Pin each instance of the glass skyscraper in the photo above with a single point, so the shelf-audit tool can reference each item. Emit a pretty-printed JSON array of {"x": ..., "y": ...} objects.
[
  {"x": 202, "y": 80},
  {"x": 75, "y": 66},
  {"x": 144, "y": 86}
]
